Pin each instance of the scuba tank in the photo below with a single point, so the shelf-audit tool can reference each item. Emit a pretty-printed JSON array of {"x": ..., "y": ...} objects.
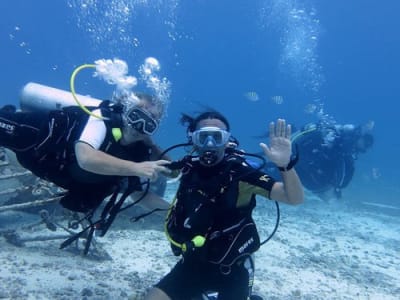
[{"x": 35, "y": 97}]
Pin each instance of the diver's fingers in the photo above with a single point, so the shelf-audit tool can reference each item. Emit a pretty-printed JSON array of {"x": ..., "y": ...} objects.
[
  {"x": 163, "y": 169},
  {"x": 265, "y": 149},
  {"x": 272, "y": 130},
  {"x": 162, "y": 162},
  {"x": 280, "y": 128},
  {"x": 288, "y": 131},
  {"x": 161, "y": 166}
]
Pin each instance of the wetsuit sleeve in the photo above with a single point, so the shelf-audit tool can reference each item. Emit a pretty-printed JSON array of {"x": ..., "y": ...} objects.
[
  {"x": 255, "y": 182},
  {"x": 94, "y": 131}
]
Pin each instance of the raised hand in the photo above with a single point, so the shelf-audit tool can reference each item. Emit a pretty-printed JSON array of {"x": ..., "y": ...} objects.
[{"x": 280, "y": 148}]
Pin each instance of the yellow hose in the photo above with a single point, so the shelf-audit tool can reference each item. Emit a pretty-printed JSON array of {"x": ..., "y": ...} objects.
[
  {"x": 198, "y": 240},
  {"x": 72, "y": 86}
]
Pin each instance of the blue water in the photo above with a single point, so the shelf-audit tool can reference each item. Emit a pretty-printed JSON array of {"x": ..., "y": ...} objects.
[
  {"x": 253, "y": 60},
  {"x": 341, "y": 56}
]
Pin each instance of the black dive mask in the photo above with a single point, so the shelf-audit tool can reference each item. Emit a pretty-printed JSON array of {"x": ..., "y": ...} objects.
[{"x": 141, "y": 121}]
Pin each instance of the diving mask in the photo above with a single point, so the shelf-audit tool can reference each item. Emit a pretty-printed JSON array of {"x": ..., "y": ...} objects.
[
  {"x": 141, "y": 121},
  {"x": 211, "y": 137},
  {"x": 210, "y": 143}
]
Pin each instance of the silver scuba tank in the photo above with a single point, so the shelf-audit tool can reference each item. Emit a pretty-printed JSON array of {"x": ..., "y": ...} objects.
[{"x": 36, "y": 96}]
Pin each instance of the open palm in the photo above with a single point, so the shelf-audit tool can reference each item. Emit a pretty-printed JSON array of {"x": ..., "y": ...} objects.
[{"x": 280, "y": 148}]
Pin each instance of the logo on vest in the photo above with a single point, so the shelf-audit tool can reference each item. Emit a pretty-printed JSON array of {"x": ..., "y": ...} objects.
[
  {"x": 7, "y": 127},
  {"x": 245, "y": 245},
  {"x": 265, "y": 178}
]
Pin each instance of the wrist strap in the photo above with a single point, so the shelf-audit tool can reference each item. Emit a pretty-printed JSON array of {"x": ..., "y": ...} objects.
[{"x": 293, "y": 160}]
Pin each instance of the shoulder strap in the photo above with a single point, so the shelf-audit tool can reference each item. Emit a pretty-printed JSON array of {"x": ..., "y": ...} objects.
[{"x": 112, "y": 112}]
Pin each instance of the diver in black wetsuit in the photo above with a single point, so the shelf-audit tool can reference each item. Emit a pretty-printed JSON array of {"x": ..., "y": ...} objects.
[
  {"x": 328, "y": 155},
  {"x": 210, "y": 223}
]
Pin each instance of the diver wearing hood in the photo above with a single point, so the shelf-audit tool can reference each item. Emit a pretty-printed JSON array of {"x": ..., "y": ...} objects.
[{"x": 210, "y": 223}]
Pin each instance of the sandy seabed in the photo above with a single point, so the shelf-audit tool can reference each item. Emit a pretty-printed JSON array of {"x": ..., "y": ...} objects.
[{"x": 322, "y": 250}]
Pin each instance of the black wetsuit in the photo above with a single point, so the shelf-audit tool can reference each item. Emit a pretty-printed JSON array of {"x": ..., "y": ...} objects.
[
  {"x": 323, "y": 167},
  {"x": 217, "y": 203}
]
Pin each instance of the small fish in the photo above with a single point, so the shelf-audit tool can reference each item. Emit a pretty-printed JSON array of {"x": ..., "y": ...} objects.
[
  {"x": 252, "y": 96},
  {"x": 277, "y": 99}
]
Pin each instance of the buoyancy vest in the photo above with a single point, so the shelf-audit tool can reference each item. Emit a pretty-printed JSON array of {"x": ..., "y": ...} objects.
[
  {"x": 54, "y": 148},
  {"x": 206, "y": 205}
]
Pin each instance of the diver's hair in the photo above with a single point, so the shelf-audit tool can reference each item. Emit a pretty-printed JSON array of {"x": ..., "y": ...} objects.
[
  {"x": 192, "y": 122},
  {"x": 146, "y": 97},
  {"x": 131, "y": 99},
  {"x": 151, "y": 99}
]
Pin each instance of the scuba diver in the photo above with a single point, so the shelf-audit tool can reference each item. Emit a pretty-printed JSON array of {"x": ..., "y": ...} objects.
[
  {"x": 108, "y": 152},
  {"x": 210, "y": 222},
  {"x": 328, "y": 153},
  {"x": 83, "y": 154}
]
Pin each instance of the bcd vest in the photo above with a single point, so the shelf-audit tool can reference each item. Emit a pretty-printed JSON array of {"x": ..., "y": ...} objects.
[{"x": 206, "y": 206}]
